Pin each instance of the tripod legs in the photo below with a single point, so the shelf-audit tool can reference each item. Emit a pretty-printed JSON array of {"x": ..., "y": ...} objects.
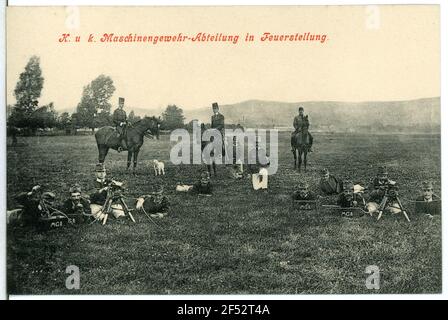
[
  {"x": 402, "y": 209},
  {"x": 126, "y": 209},
  {"x": 382, "y": 206},
  {"x": 384, "y": 203}
]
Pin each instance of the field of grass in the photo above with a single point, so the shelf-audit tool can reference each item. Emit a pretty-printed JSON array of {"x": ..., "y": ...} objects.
[{"x": 238, "y": 241}]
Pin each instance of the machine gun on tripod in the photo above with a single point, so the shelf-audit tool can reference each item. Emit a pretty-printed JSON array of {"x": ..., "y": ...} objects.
[
  {"x": 114, "y": 196},
  {"x": 391, "y": 197}
]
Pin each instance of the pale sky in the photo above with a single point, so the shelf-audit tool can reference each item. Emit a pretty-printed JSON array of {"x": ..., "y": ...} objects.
[{"x": 383, "y": 53}]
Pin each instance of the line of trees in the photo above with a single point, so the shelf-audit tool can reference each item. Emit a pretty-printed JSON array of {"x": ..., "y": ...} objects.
[{"x": 93, "y": 111}]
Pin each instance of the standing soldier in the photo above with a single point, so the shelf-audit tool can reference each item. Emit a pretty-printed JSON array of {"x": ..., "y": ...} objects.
[
  {"x": 218, "y": 124},
  {"x": 301, "y": 125},
  {"x": 119, "y": 119}
]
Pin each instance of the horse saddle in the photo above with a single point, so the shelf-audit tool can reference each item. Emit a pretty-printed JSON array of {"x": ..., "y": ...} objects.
[{"x": 302, "y": 136}]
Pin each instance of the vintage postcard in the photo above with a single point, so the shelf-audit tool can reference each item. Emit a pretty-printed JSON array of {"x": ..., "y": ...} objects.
[{"x": 223, "y": 150}]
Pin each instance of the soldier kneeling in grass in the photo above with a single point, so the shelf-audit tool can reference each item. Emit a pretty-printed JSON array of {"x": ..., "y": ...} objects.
[
  {"x": 204, "y": 185},
  {"x": 99, "y": 197},
  {"x": 427, "y": 203},
  {"x": 302, "y": 193},
  {"x": 155, "y": 204},
  {"x": 76, "y": 207},
  {"x": 350, "y": 198},
  {"x": 384, "y": 194},
  {"x": 28, "y": 213}
]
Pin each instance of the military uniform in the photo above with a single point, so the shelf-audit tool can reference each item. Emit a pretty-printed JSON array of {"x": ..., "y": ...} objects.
[
  {"x": 380, "y": 185},
  {"x": 203, "y": 186},
  {"x": 427, "y": 203},
  {"x": 425, "y": 206},
  {"x": 331, "y": 185},
  {"x": 156, "y": 203},
  {"x": 77, "y": 210},
  {"x": 217, "y": 122},
  {"x": 119, "y": 118},
  {"x": 301, "y": 125},
  {"x": 309, "y": 196},
  {"x": 30, "y": 203},
  {"x": 348, "y": 200}
]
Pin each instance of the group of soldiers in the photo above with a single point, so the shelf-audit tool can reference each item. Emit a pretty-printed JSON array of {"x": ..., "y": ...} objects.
[{"x": 383, "y": 196}]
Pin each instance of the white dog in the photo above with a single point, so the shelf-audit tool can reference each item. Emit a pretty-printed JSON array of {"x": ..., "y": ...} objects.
[{"x": 159, "y": 167}]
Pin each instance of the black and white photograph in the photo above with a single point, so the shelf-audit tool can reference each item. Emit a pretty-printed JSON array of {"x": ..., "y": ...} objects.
[{"x": 223, "y": 150}]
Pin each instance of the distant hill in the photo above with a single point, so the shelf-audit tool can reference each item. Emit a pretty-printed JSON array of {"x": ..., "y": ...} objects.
[{"x": 421, "y": 114}]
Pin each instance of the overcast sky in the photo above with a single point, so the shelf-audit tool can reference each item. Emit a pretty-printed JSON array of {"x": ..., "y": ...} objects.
[{"x": 388, "y": 54}]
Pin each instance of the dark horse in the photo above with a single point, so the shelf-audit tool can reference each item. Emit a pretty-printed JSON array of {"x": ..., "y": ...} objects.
[
  {"x": 108, "y": 138},
  {"x": 300, "y": 145}
]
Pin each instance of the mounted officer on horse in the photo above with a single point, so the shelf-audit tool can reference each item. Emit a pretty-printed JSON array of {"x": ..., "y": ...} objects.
[
  {"x": 301, "y": 125},
  {"x": 125, "y": 136},
  {"x": 301, "y": 139},
  {"x": 120, "y": 120}
]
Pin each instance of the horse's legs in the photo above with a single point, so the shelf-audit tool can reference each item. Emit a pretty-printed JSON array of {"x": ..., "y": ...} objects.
[
  {"x": 129, "y": 159},
  {"x": 294, "y": 152},
  {"x": 102, "y": 153},
  {"x": 305, "y": 153},
  {"x": 209, "y": 169},
  {"x": 300, "y": 160},
  {"x": 214, "y": 168},
  {"x": 135, "y": 157}
]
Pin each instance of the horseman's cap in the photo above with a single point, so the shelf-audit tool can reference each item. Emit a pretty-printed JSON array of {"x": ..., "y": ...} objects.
[
  {"x": 348, "y": 185},
  {"x": 100, "y": 167},
  {"x": 324, "y": 171},
  {"x": 382, "y": 170},
  {"x": 76, "y": 188},
  {"x": 301, "y": 108},
  {"x": 427, "y": 185},
  {"x": 215, "y": 105},
  {"x": 303, "y": 185},
  {"x": 120, "y": 100},
  {"x": 205, "y": 175},
  {"x": 158, "y": 188}
]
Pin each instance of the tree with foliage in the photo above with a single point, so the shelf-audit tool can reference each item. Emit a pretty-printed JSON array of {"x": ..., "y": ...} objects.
[
  {"x": 27, "y": 91},
  {"x": 64, "y": 122},
  {"x": 43, "y": 117},
  {"x": 103, "y": 118},
  {"x": 95, "y": 101},
  {"x": 173, "y": 118}
]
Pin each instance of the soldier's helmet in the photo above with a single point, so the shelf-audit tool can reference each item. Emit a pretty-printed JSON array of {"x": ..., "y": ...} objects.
[
  {"x": 100, "y": 167},
  {"x": 302, "y": 185},
  {"x": 158, "y": 188},
  {"x": 205, "y": 175},
  {"x": 301, "y": 109},
  {"x": 427, "y": 185},
  {"x": 215, "y": 106},
  {"x": 348, "y": 186},
  {"x": 382, "y": 171},
  {"x": 76, "y": 188}
]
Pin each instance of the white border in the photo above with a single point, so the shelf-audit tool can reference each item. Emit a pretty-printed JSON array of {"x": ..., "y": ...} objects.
[
  {"x": 3, "y": 292},
  {"x": 444, "y": 150}
]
